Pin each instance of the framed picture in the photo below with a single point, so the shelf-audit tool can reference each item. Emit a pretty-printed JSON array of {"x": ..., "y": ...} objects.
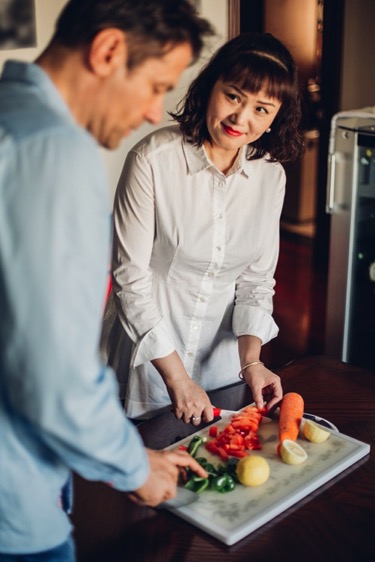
[
  {"x": 233, "y": 18},
  {"x": 17, "y": 24}
]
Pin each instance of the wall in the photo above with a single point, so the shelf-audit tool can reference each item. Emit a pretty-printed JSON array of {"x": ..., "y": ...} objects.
[
  {"x": 295, "y": 24},
  {"x": 358, "y": 69},
  {"x": 46, "y": 14}
]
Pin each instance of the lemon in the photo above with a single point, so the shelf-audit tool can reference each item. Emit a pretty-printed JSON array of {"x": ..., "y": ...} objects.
[
  {"x": 253, "y": 470},
  {"x": 292, "y": 453},
  {"x": 314, "y": 432}
]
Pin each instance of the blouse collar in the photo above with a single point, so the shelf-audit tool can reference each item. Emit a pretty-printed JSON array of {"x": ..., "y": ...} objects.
[{"x": 197, "y": 160}]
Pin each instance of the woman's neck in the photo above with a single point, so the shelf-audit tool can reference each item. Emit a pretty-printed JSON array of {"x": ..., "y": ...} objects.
[{"x": 221, "y": 158}]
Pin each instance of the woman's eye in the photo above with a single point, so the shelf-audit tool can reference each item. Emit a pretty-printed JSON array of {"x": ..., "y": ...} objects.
[
  {"x": 262, "y": 110},
  {"x": 232, "y": 97}
]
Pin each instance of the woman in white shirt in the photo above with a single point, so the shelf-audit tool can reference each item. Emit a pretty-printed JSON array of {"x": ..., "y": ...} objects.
[{"x": 196, "y": 237}]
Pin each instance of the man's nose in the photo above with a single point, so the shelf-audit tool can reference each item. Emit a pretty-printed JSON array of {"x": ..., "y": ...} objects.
[{"x": 155, "y": 112}]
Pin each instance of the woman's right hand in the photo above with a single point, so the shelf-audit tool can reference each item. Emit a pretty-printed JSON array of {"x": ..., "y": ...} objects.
[{"x": 191, "y": 403}]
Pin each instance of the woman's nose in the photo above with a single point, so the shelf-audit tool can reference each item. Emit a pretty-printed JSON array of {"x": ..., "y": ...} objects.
[{"x": 240, "y": 116}]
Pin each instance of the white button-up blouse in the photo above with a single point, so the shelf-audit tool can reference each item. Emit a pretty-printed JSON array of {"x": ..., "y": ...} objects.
[{"x": 193, "y": 265}]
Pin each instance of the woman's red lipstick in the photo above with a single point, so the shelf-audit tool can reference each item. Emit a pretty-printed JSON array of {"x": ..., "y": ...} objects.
[{"x": 231, "y": 131}]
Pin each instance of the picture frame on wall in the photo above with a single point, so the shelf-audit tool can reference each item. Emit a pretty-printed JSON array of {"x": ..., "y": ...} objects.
[
  {"x": 232, "y": 8},
  {"x": 17, "y": 24}
]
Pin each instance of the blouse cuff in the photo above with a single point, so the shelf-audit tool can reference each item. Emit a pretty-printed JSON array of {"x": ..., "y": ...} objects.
[
  {"x": 252, "y": 321},
  {"x": 155, "y": 344}
]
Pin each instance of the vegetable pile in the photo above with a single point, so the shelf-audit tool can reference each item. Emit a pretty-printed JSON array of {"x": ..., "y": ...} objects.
[
  {"x": 221, "y": 478},
  {"x": 238, "y": 437},
  {"x": 231, "y": 444}
]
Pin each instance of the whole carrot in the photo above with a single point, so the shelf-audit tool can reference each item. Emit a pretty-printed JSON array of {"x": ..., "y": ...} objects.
[{"x": 291, "y": 412}]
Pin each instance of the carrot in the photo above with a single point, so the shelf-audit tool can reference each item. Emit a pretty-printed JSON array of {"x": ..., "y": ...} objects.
[{"x": 291, "y": 412}]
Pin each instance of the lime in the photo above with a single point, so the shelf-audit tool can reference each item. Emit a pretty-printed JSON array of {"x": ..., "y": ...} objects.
[
  {"x": 314, "y": 432},
  {"x": 253, "y": 470},
  {"x": 292, "y": 453}
]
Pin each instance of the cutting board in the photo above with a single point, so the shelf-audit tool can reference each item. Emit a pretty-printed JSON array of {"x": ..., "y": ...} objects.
[{"x": 232, "y": 516}]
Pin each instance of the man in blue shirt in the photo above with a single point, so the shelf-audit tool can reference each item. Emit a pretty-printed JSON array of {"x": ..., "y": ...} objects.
[{"x": 106, "y": 70}]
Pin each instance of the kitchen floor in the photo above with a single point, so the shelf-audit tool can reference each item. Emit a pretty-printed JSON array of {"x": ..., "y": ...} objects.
[{"x": 299, "y": 303}]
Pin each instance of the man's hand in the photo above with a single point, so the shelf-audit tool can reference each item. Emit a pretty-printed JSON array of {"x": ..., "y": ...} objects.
[{"x": 161, "y": 483}]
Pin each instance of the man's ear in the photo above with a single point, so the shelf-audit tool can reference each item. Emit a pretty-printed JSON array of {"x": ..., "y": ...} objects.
[{"x": 108, "y": 51}]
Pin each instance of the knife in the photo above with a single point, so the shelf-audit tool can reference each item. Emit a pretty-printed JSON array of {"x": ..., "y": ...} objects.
[
  {"x": 183, "y": 497},
  {"x": 219, "y": 412}
]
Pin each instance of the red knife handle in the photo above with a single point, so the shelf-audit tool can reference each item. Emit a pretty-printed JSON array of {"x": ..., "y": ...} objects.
[{"x": 216, "y": 412}]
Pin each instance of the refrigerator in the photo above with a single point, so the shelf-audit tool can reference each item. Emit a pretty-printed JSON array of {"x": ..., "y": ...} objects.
[{"x": 350, "y": 321}]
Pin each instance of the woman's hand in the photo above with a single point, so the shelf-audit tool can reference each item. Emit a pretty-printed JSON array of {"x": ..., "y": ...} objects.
[
  {"x": 264, "y": 384},
  {"x": 190, "y": 402}
]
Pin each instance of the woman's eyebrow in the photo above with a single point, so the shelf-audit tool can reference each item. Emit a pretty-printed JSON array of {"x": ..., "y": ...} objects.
[{"x": 244, "y": 93}]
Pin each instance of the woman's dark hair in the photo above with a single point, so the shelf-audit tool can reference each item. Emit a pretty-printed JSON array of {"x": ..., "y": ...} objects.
[
  {"x": 251, "y": 61},
  {"x": 152, "y": 26}
]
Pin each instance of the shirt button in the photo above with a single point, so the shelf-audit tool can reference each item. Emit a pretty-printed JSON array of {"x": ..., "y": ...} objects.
[
  {"x": 218, "y": 248},
  {"x": 202, "y": 299},
  {"x": 189, "y": 354},
  {"x": 219, "y": 216},
  {"x": 210, "y": 274},
  {"x": 195, "y": 327}
]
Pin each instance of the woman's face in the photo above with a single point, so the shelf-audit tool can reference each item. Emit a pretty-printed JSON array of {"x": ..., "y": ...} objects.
[{"x": 236, "y": 117}]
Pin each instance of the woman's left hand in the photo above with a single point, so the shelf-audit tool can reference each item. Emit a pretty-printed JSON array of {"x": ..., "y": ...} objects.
[{"x": 264, "y": 384}]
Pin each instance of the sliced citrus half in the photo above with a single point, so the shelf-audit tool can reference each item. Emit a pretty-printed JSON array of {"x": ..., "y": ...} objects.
[
  {"x": 314, "y": 432},
  {"x": 292, "y": 453}
]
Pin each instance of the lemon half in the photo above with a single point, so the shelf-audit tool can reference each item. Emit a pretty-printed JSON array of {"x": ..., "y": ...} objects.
[
  {"x": 292, "y": 453},
  {"x": 314, "y": 432},
  {"x": 253, "y": 470}
]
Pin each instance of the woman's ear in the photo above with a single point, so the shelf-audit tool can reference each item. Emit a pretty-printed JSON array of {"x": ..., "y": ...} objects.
[{"x": 107, "y": 52}]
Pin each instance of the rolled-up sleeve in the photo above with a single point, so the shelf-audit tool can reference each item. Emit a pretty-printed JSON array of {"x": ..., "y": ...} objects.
[
  {"x": 252, "y": 313},
  {"x": 134, "y": 223}
]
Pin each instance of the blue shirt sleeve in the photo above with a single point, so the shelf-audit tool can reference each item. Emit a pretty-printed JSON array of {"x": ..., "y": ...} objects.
[{"x": 56, "y": 244}]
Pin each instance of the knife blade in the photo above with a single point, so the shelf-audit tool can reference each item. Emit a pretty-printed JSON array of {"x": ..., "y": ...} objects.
[
  {"x": 183, "y": 497},
  {"x": 219, "y": 412}
]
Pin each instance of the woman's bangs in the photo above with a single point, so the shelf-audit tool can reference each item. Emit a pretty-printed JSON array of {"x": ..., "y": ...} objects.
[{"x": 259, "y": 74}]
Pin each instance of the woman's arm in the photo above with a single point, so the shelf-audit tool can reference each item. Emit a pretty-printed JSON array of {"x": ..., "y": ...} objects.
[
  {"x": 265, "y": 385},
  {"x": 252, "y": 318},
  {"x": 134, "y": 221},
  {"x": 133, "y": 239}
]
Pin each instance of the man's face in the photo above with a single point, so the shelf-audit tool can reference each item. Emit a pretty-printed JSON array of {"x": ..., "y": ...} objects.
[{"x": 128, "y": 98}]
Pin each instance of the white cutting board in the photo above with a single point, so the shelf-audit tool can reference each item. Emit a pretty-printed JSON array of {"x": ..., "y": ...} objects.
[{"x": 232, "y": 516}]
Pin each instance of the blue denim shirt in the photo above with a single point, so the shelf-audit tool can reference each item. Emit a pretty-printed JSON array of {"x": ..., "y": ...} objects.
[{"x": 59, "y": 408}]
